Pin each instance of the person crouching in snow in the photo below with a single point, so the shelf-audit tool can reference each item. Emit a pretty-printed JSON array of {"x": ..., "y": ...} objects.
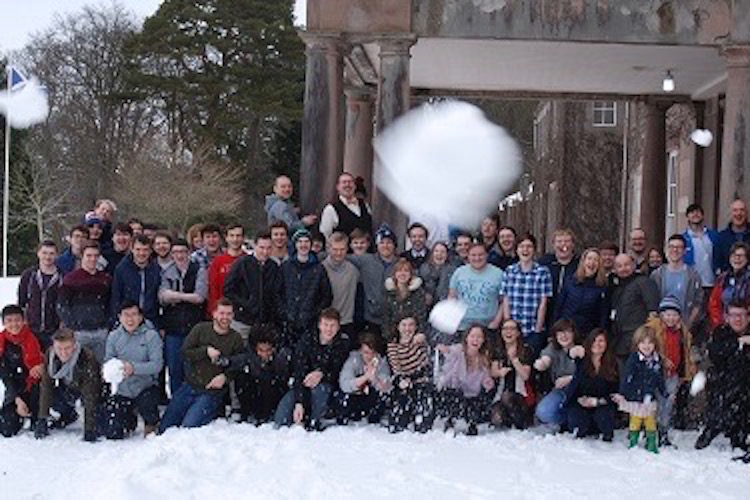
[
  {"x": 642, "y": 381},
  {"x": 465, "y": 383},
  {"x": 588, "y": 397},
  {"x": 514, "y": 400},
  {"x": 411, "y": 397},
  {"x": 365, "y": 382},
  {"x": 71, "y": 373},
  {"x": 197, "y": 401},
  {"x": 316, "y": 364},
  {"x": 21, "y": 367},
  {"x": 675, "y": 344},
  {"x": 138, "y": 345}
]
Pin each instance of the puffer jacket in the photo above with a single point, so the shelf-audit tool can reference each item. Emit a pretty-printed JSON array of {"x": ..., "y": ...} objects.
[
  {"x": 398, "y": 308},
  {"x": 308, "y": 292},
  {"x": 584, "y": 303},
  {"x": 310, "y": 355},
  {"x": 84, "y": 300}
]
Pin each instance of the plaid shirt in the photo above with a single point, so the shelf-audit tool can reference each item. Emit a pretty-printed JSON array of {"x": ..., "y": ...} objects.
[{"x": 524, "y": 292}]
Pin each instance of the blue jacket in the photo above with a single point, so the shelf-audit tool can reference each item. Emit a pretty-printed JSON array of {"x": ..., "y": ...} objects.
[
  {"x": 642, "y": 377},
  {"x": 139, "y": 285},
  {"x": 66, "y": 262},
  {"x": 725, "y": 240},
  {"x": 584, "y": 303},
  {"x": 689, "y": 258}
]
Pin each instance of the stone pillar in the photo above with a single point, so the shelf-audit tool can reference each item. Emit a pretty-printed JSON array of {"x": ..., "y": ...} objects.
[
  {"x": 735, "y": 161},
  {"x": 323, "y": 121},
  {"x": 654, "y": 179},
  {"x": 393, "y": 100},
  {"x": 713, "y": 120},
  {"x": 359, "y": 130}
]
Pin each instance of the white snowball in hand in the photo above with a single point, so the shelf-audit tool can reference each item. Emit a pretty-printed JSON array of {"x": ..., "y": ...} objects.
[
  {"x": 447, "y": 314},
  {"x": 447, "y": 160},
  {"x": 113, "y": 373},
  {"x": 25, "y": 107},
  {"x": 698, "y": 383}
]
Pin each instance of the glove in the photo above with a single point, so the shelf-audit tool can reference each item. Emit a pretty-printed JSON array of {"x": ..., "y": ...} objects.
[
  {"x": 41, "y": 428},
  {"x": 89, "y": 436},
  {"x": 223, "y": 361}
]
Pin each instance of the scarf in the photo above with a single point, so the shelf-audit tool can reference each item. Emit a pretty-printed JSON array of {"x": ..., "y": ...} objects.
[{"x": 65, "y": 370}]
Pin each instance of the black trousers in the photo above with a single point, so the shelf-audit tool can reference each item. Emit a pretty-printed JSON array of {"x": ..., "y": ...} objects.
[
  {"x": 10, "y": 421},
  {"x": 117, "y": 415},
  {"x": 453, "y": 404},
  {"x": 351, "y": 406},
  {"x": 258, "y": 397},
  {"x": 414, "y": 404}
]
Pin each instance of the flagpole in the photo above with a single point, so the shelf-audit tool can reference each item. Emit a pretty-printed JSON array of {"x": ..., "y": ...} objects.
[{"x": 6, "y": 179}]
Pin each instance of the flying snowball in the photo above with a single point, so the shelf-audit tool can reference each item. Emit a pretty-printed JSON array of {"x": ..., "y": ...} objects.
[
  {"x": 702, "y": 137},
  {"x": 113, "y": 373},
  {"x": 447, "y": 160},
  {"x": 25, "y": 107},
  {"x": 2, "y": 392},
  {"x": 698, "y": 383},
  {"x": 447, "y": 314}
]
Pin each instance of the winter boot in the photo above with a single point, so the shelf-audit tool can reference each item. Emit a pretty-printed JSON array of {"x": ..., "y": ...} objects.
[
  {"x": 472, "y": 430},
  {"x": 664, "y": 441},
  {"x": 633, "y": 437},
  {"x": 651, "y": 442}
]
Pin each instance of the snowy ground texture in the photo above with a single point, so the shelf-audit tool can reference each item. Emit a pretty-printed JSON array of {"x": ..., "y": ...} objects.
[{"x": 228, "y": 461}]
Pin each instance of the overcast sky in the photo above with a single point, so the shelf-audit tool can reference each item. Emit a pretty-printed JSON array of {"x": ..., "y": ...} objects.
[{"x": 21, "y": 18}]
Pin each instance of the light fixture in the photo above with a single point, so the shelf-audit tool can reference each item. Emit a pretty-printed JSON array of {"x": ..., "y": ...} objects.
[{"x": 668, "y": 83}]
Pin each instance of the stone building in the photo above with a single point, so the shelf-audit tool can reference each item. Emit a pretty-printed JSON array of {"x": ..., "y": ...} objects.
[{"x": 367, "y": 60}]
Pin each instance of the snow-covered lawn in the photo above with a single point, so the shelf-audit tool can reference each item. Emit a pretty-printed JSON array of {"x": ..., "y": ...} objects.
[{"x": 227, "y": 461}]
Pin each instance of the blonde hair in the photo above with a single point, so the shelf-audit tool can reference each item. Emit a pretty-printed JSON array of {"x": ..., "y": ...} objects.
[
  {"x": 600, "y": 278},
  {"x": 642, "y": 333}
]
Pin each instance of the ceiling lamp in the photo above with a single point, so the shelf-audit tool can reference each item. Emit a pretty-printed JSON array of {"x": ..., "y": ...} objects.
[{"x": 668, "y": 83}]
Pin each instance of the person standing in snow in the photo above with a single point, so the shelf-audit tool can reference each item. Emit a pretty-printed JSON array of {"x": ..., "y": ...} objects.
[
  {"x": 279, "y": 206},
  {"x": 343, "y": 276},
  {"x": 38, "y": 293}
]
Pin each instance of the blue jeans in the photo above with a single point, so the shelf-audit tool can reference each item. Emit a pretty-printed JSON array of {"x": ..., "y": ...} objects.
[
  {"x": 173, "y": 358},
  {"x": 190, "y": 408},
  {"x": 315, "y": 401},
  {"x": 550, "y": 409}
]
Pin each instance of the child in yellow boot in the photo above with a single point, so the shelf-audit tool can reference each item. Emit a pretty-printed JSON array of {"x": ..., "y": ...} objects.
[{"x": 642, "y": 380}]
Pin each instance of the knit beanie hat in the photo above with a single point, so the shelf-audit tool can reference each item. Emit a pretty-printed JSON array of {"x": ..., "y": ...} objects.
[
  {"x": 670, "y": 303},
  {"x": 384, "y": 232},
  {"x": 301, "y": 233}
]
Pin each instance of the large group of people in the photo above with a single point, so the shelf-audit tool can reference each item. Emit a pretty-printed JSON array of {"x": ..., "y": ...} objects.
[{"x": 322, "y": 320}]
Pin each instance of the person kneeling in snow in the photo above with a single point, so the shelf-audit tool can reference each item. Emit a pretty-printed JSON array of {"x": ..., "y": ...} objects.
[
  {"x": 412, "y": 395},
  {"x": 642, "y": 382},
  {"x": 138, "y": 345},
  {"x": 513, "y": 404},
  {"x": 465, "y": 383},
  {"x": 197, "y": 401},
  {"x": 21, "y": 367},
  {"x": 365, "y": 382},
  {"x": 71, "y": 373},
  {"x": 316, "y": 365}
]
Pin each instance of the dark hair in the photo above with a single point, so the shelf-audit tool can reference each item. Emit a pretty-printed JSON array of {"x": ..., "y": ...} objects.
[
  {"x": 63, "y": 335},
  {"x": 677, "y": 237},
  {"x": 527, "y": 237},
  {"x": 737, "y": 304},
  {"x": 418, "y": 225},
  {"x": 263, "y": 235},
  {"x": 371, "y": 340},
  {"x": 234, "y": 225},
  {"x": 330, "y": 313},
  {"x": 264, "y": 334},
  {"x": 278, "y": 224},
  {"x": 317, "y": 236},
  {"x": 485, "y": 352},
  {"x": 127, "y": 304},
  {"x": 142, "y": 239},
  {"x": 693, "y": 207},
  {"x": 11, "y": 310},
  {"x": 47, "y": 243},
  {"x": 150, "y": 227},
  {"x": 740, "y": 245},
  {"x": 90, "y": 244},
  {"x": 559, "y": 326},
  {"x": 210, "y": 228},
  {"x": 509, "y": 228},
  {"x": 80, "y": 228},
  {"x": 135, "y": 220},
  {"x": 609, "y": 245},
  {"x": 180, "y": 242},
  {"x": 224, "y": 302},
  {"x": 608, "y": 368},
  {"x": 121, "y": 227}
]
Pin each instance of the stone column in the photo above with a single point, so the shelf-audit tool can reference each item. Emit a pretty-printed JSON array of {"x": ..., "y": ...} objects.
[
  {"x": 735, "y": 161},
  {"x": 323, "y": 121},
  {"x": 394, "y": 97},
  {"x": 654, "y": 179},
  {"x": 359, "y": 130}
]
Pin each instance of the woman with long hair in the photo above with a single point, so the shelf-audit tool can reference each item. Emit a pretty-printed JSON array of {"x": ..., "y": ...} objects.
[
  {"x": 404, "y": 297},
  {"x": 583, "y": 299},
  {"x": 732, "y": 285},
  {"x": 514, "y": 398}
]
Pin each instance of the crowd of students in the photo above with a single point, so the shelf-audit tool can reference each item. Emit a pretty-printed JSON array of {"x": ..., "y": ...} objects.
[{"x": 319, "y": 321}]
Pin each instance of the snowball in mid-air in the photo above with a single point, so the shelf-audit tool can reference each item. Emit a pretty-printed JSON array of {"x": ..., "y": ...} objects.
[
  {"x": 25, "y": 107},
  {"x": 112, "y": 372},
  {"x": 702, "y": 137},
  {"x": 448, "y": 160},
  {"x": 447, "y": 314},
  {"x": 698, "y": 383},
  {"x": 2, "y": 392}
]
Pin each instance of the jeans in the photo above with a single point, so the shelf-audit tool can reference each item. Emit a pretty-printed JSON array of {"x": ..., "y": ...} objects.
[
  {"x": 173, "y": 359},
  {"x": 666, "y": 403},
  {"x": 315, "y": 401},
  {"x": 96, "y": 340},
  {"x": 190, "y": 408},
  {"x": 550, "y": 409}
]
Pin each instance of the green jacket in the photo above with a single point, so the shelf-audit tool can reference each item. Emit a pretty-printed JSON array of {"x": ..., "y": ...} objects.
[{"x": 199, "y": 370}]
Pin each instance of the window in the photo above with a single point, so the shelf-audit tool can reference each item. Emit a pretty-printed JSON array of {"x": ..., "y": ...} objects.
[
  {"x": 671, "y": 222},
  {"x": 605, "y": 114}
]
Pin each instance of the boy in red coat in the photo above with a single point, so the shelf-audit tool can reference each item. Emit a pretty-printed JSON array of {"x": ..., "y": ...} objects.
[{"x": 21, "y": 366}]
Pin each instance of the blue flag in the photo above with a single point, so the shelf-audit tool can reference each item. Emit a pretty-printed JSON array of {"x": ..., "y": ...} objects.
[{"x": 17, "y": 80}]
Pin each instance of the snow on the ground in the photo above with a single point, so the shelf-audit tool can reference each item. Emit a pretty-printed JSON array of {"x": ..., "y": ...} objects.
[{"x": 227, "y": 461}]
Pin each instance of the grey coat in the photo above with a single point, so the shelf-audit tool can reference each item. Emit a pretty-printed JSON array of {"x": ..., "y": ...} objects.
[
  {"x": 437, "y": 279},
  {"x": 355, "y": 367},
  {"x": 143, "y": 349},
  {"x": 373, "y": 272},
  {"x": 693, "y": 293}
]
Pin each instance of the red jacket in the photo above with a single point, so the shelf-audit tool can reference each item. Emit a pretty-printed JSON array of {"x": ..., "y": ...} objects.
[
  {"x": 32, "y": 353},
  {"x": 217, "y": 273}
]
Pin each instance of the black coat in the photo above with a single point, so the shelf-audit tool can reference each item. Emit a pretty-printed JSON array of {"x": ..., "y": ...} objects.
[
  {"x": 728, "y": 383},
  {"x": 584, "y": 303},
  {"x": 632, "y": 299},
  {"x": 584, "y": 384},
  {"x": 310, "y": 355},
  {"x": 307, "y": 291},
  {"x": 276, "y": 371},
  {"x": 257, "y": 291}
]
